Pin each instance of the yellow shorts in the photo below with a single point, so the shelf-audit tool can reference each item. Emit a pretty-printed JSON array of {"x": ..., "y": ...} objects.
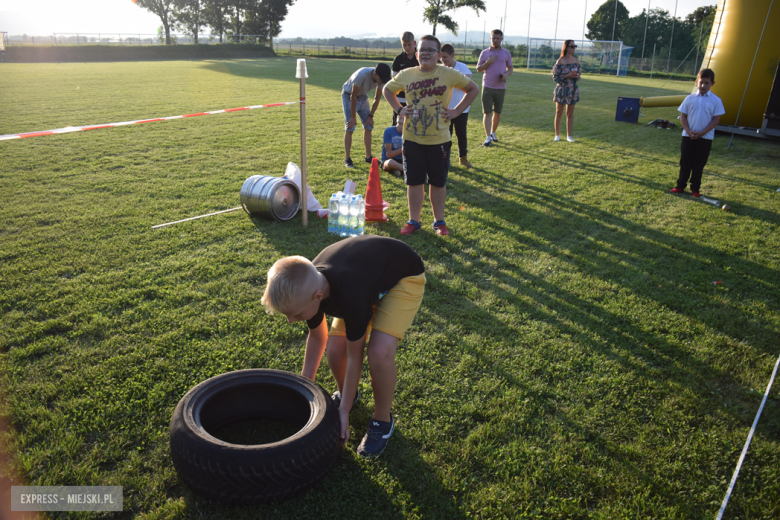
[{"x": 394, "y": 313}]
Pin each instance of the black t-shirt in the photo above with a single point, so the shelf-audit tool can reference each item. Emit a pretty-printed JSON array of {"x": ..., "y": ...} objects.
[
  {"x": 360, "y": 270},
  {"x": 402, "y": 62}
]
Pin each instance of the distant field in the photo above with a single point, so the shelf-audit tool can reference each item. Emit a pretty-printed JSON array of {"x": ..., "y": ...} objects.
[{"x": 573, "y": 357}]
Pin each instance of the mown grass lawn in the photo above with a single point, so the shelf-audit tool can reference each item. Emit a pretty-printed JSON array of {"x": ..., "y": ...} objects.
[{"x": 572, "y": 357}]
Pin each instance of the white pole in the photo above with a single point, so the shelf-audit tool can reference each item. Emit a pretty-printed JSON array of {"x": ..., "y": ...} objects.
[
  {"x": 505, "y": 4},
  {"x": 465, "y": 41},
  {"x": 195, "y": 218},
  {"x": 301, "y": 73},
  {"x": 647, "y": 18},
  {"x": 698, "y": 47},
  {"x": 528, "y": 60},
  {"x": 558, "y": 10},
  {"x": 671, "y": 40},
  {"x": 614, "y": 21},
  {"x": 652, "y": 63},
  {"x": 584, "y": 18},
  {"x": 620, "y": 55}
]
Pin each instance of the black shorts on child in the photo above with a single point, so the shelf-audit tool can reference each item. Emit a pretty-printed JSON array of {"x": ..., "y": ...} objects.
[{"x": 426, "y": 160}]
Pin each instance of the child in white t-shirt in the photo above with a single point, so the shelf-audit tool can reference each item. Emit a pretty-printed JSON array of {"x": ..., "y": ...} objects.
[{"x": 700, "y": 114}]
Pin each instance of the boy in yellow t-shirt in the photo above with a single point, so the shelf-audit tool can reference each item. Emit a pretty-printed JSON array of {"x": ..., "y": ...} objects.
[{"x": 426, "y": 135}]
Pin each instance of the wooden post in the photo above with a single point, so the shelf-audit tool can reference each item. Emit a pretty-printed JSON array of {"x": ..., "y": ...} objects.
[{"x": 302, "y": 75}]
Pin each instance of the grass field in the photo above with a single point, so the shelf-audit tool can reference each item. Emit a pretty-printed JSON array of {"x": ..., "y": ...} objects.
[{"x": 572, "y": 357}]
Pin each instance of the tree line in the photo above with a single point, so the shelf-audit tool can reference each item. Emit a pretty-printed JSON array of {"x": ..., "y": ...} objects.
[
  {"x": 262, "y": 18},
  {"x": 668, "y": 33}
]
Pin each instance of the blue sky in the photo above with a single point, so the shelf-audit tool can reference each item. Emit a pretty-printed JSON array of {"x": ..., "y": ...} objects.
[{"x": 326, "y": 18}]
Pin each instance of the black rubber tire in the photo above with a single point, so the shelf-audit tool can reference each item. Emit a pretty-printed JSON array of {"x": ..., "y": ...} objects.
[{"x": 253, "y": 474}]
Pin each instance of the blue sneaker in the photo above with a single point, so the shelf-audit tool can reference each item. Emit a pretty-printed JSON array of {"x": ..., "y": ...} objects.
[
  {"x": 376, "y": 438},
  {"x": 337, "y": 398}
]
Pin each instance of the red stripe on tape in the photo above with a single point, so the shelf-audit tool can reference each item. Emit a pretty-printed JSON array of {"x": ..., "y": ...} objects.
[
  {"x": 36, "y": 134},
  {"x": 114, "y": 125}
]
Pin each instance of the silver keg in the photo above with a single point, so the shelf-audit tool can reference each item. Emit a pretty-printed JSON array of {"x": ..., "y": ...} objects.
[{"x": 270, "y": 197}]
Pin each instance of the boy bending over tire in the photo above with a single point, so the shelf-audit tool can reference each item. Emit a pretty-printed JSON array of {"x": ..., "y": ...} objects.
[{"x": 369, "y": 284}]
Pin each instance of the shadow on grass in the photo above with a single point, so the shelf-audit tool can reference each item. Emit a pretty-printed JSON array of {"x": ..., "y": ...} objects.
[{"x": 347, "y": 491}]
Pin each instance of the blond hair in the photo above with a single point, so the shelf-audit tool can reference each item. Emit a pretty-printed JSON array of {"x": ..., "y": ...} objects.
[
  {"x": 288, "y": 281},
  {"x": 407, "y": 37}
]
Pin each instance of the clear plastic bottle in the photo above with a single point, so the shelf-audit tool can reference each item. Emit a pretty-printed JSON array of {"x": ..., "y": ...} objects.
[
  {"x": 361, "y": 215},
  {"x": 343, "y": 229},
  {"x": 333, "y": 213},
  {"x": 354, "y": 211}
]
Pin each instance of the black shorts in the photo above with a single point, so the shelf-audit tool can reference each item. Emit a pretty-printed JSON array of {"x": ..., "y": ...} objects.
[{"x": 423, "y": 161}]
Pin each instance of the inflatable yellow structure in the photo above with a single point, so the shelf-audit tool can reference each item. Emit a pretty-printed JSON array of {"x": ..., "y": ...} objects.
[{"x": 744, "y": 52}]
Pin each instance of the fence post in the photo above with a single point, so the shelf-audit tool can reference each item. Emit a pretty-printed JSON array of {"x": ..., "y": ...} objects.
[
  {"x": 318, "y": 50},
  {"x": 304, "y": 49},
  {"x": 290, "y": 48},
  {"x": 334, "y": 50},
  {"x": 366, "y": 50},
  {"x": 77, "y": 39}
]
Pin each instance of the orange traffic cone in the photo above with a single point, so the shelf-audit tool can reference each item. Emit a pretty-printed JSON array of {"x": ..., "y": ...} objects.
[{"x": 375, "y": 206}]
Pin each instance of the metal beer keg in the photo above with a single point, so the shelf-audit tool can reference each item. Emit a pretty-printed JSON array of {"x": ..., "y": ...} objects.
[{"x": 270, "y": 197}]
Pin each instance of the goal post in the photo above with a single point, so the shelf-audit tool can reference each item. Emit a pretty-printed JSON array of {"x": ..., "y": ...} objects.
[{"x": 599, "y": 56}]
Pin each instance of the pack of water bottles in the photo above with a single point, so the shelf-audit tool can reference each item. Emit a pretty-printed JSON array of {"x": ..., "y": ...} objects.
[{"x": 346, "y": 214}]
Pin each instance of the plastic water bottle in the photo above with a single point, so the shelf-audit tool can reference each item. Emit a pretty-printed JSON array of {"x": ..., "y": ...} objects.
[
  {"x": 344, "y": 215},
  {"x": 361, "y": 215},
  {"x": 333, "y": 214},
  {"x": 354, "y": 211}
]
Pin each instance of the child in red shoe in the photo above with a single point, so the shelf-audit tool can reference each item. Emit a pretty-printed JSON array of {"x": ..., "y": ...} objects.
[{"x": 701, "y": 113}]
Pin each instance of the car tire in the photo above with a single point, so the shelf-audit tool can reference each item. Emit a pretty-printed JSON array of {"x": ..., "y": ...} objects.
[{"x": 252, "y": 474}]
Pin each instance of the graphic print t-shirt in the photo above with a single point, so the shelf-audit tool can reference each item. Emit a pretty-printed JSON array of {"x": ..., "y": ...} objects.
[
  {"x": 391, "y": 136},
  {"x": 428, "y": 93},
  {"x": 360, "y": 271}
]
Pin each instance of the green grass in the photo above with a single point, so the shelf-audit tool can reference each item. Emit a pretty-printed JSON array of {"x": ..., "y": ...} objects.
[{"x": 571, "y": 359}]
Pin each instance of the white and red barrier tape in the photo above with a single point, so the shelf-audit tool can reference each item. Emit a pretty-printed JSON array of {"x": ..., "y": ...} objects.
[{"x": 125, "y": 123}]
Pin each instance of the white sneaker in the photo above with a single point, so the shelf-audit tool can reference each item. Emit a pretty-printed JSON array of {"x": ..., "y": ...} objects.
[
  {"x": 493, "y": 137},
  {"x": 557, "y": 138},
  {"x": 487, "y": 142},
  {"x": 570, "y": 139}
]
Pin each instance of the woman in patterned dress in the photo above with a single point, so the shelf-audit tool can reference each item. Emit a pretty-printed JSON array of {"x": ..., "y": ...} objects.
[{"x": 566, "y": 73}]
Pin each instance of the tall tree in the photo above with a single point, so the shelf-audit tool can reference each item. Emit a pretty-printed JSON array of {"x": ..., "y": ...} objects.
[
  {"x": 161, "y": 8},
  {"x": 235, "y": 11},
  {"x": 216, "y": 12},
  {"x": 705, "y": 13},
  {"x": 658, "y": 28},
  {"x": 264, "y": 18},
  {"x": 435, "y": 12},
  {"x": 601, "y": 24},
  {"x": 190, "y": 16}
]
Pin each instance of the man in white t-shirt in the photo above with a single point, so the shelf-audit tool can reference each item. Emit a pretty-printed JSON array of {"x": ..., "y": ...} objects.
[{"x": 460, "y": 122}]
